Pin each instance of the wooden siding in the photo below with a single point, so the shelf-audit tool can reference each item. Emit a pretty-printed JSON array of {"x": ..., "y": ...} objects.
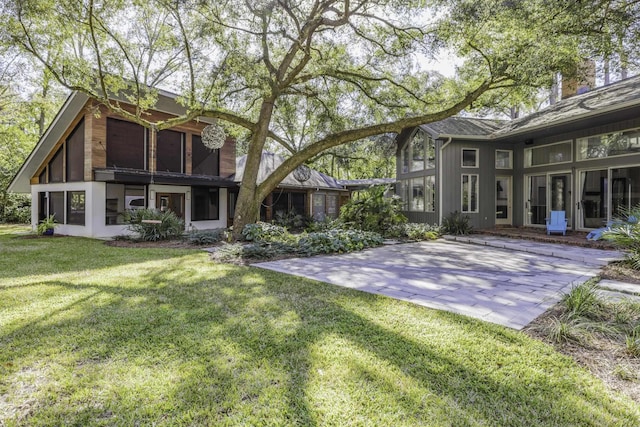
[{"x": 228, "y": 158}]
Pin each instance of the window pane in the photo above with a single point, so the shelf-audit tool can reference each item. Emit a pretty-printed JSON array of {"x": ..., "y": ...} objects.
[
  {"x": 474, "y": 193},
  {"x": 418, "y": 149},
  {"x": 298, "y": 203},
  {"x": 332, "y": 206},
  {"x": 465, "y": 193},
  {"x": 318, "y": 207},
  {"x": 405, "y": 154},
  {"x": 204, "y": 161},
  {"x": 548, "y": 154},
  {"x": 75, "y": 207},
  {"x": 75, "y": 154},
  {"x": 56, "y": 205},
  {"x": 55, "y": 167},
  {"x": 469, "y": 193},
  {"x": 503, "y": 159},
  {"x": 470, "y": 158},
  {"x": 170, "y": 153},
  {"x": 613, "y": 144},
  {"x": 431, "y": 153},
  {"x": 204, "y": 203},
  {"x": 125, "y": 144},
  {"x": 121, "y": 198},
  {"x": 430, "y": 193},
  {"x": 417, "y": 194}
]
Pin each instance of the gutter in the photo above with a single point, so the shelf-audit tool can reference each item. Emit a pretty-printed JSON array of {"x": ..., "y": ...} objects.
[{"x": 440, "y": 215}]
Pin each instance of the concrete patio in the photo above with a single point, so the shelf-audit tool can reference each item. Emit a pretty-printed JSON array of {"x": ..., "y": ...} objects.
[{"x": 505, "y": 281}]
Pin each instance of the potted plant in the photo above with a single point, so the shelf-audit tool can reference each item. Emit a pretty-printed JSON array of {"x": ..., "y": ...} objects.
[{"x": 46, "y": 226}]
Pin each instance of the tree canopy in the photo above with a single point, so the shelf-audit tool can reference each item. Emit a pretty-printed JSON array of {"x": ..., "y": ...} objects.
[{"x": 308, "y": 75}]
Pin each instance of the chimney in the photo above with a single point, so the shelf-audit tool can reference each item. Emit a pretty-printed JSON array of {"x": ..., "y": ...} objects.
[{"x": 583, "y": 80}]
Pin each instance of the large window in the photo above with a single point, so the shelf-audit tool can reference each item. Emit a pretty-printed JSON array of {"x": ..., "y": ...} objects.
[
  {"x": 612, "y": 144},
  {"x": 75, "y": 207},
  {"x": 204, "y": 161},
  {"x": 469, "y": 193},
  {"x": 170, "y": 151},
  {"x": 126, "y": 145},
  {"x": 417, "y": 195},
  {"x": 548, "y": 154},
  {"x": 420, "y": 194},
  {"x": 56, "y": 167},
  {"x": 418, "y": 153},
  {"x": 75, "y": 154},
  {"x": 204, "y": 203},
  {"x": 122, "y": 197}
]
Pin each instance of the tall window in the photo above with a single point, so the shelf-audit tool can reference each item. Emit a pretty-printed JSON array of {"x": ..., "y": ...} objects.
[
  {"x": 204, "y": 203},
  {"x": 430, "y": 193},
  {"x": 122, "y": 197},
  {"x": 56, "y": 205},
  {"x": 548, "y": 154},
  {"x": 75, "y": 207},
  {"x": 417, "y": 195},
  {"x": 170, "y": 151},
  {"x": 204, "y": 161},
  {"x": 75, "y": 154},
  {"x": 469, "y": 193},
  {"x": 126, "y": 145},
  {"x": 56, "y": 167}
]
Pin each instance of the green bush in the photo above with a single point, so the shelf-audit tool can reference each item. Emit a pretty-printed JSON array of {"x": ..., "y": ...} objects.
[
  {"x": 625, "y": 233},
  {"x": 373, "y": 211},
  {"x": 418, "y": 231},
  {"x": 292, "y": 220},
  {"x": 264, "y": 232},
  {"x": 583, "y": 301},
  {"x": 338, "y": 241},
  {"x": 169, "y": 226},
  {"x": 457, "y": 224},
  {"x": 15, "y": 209},
  {"x": 207, "y": 237}
]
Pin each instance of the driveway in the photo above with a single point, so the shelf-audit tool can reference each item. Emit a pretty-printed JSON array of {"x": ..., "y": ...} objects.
[{"x": 503, "y": 286}]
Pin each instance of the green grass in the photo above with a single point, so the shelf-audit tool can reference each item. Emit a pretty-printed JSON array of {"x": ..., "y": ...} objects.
[{"x": 96, "y": 335}]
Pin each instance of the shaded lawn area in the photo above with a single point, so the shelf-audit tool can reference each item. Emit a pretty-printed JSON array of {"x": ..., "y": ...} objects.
[{"x": 97, "y": 335}]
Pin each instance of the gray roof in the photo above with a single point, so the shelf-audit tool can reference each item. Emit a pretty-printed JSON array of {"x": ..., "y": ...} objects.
[
  {"x": 361, "y": 184},
  {"x": 616, "y": 96},
  {"x": 270, "y": 161},
  {"x": 463, "y": 126}
]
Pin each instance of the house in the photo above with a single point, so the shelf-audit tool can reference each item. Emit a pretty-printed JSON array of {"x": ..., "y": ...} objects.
[
  {"x": 91, "y": 165},
  {"x": 314, "y": 194},
  {"x": 580, "y": 155}
]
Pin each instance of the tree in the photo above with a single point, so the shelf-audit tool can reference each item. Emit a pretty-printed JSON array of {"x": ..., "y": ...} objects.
[{"x": 309, "y": 75}]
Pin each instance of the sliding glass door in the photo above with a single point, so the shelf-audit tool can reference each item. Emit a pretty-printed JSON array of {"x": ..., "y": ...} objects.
[{"x": 548, "y": 192}]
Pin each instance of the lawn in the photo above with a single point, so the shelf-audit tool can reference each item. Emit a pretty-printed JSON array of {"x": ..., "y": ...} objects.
[{"x": 98, "y": 335}]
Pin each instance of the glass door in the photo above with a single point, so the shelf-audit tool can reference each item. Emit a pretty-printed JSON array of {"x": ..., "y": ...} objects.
[
  {"x": 595, "y": 198},
  {"x": 561, "y": 194},
  {"x": 171, "y": 201},
  {"x": 503, "y": 200},
  {"x": 537, "y": 201}
]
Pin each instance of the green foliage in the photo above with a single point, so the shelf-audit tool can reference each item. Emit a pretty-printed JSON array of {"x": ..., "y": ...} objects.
[
  {"x": 583, "y": 301},
  {"x": 49, "y": 223},
  {"x": 420, "y": 231},
  {"x": 633, "y": 342},
  {"x": 16, "y": 209},
  {"x": 564, "y": 329},
  {"x": 152, "y": 225},
  {"x": 207, "y": 237},
  {"x": 292, "y": 220},
  {"x": 625, "y": 233},
  {"x": 264, "y": 232},
  {"x": 457, "y": 224},
  {"x": 372, "y": 211},
  {"x": 338, "y": 241}
]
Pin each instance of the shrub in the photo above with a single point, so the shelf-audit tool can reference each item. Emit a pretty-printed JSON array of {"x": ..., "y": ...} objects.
[
  {"x": 625, "y": 233},
  {"x": 418, "y": 231},
  {"x": 457, "y": 224},
  {"x": 292, "y": 220},
  {"x": 207, "y": 237},
  {"x": 373, "y": 211},
  {"x": 583, "y": 301},
  {"x": 338, "y": 241},
  {"x": 264, "y": 232},
  {"x": 633, "y": 342},
  {"x": 169, "y": 226},
  {"x": 15, "y": 208}
]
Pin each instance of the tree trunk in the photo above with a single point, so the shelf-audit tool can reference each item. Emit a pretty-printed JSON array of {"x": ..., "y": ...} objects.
[{"x": 248, "y": 204}]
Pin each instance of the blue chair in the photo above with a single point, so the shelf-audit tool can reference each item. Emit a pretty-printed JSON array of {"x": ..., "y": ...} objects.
[{"x": 557, "y": 223}]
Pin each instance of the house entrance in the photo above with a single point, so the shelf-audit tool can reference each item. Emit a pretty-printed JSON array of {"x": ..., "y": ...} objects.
[
  {"x": 171, "y": 201},
  {"x": 548, "y": 192},
  {"x": 503, "y": 201}
]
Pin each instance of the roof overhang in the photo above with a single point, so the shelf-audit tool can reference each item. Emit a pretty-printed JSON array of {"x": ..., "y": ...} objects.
[{"x": 133, "y": 176}]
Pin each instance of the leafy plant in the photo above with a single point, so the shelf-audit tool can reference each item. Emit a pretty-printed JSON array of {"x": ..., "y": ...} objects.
[
  {"x": 292, "y": 220},
  {"x": 633, "y": 342},
  {"x": 338, "y": 241},
  {"x": 457, "y": 224},
  {"x": 419, "y": 231},
  {"x": 373, "y": 211},
  {"x": 207, "y": 237},
  {"x": 263, "y": 232},
  {"x": 583, "y": 301},
  {"x": 625, "y": 233},
  {"x": 49, "y": 223},
  {"x": 152, "y": 225}
]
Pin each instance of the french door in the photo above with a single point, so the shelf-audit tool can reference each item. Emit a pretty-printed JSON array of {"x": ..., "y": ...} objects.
[{"x": 545, "y": 193}]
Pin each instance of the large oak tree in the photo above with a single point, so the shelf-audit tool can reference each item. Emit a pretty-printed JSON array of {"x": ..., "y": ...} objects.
[{"x": 306, "y": 74}]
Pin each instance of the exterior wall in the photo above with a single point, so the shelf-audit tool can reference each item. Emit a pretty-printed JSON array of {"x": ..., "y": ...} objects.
[{"x": 573, "y": 167}]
